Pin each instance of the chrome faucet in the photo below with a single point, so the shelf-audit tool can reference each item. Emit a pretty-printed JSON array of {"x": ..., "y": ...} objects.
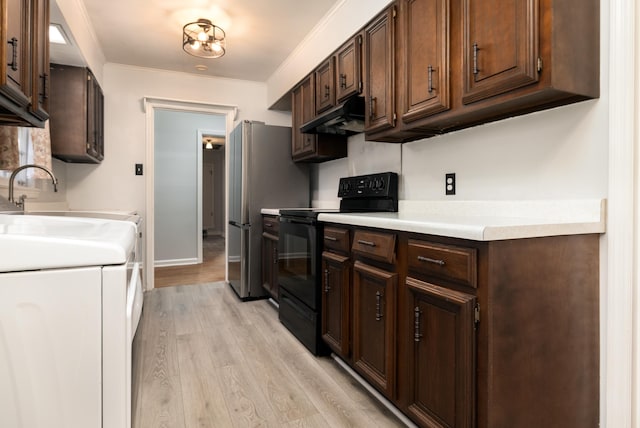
[{"x": 20, "y": 202}]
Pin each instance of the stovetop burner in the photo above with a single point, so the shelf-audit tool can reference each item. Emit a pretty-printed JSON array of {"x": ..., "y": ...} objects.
[{"x": 363, "y": 193}]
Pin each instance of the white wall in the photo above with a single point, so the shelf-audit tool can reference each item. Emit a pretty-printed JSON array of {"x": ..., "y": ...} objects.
[{"x": 112, "y": 184}]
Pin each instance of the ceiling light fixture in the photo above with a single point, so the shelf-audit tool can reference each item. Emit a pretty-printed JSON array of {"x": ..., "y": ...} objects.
[
  {"x": 203, "y": 39},
  {"x": 57, "y": 34}
]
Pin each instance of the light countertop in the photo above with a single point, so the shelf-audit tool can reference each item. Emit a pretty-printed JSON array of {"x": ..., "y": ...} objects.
[{"x": 485, "y": 220}]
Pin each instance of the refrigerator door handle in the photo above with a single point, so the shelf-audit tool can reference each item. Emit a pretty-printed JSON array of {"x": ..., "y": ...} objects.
[{"x": 243, "y": 226}]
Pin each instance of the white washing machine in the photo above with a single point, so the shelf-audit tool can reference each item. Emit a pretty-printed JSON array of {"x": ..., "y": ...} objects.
[{"x": 70, "y": 303}]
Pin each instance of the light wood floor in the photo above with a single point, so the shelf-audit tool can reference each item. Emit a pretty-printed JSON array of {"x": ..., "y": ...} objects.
[
  {"x": 210, "y": 270},
  {"x": 202, "y": 358}
]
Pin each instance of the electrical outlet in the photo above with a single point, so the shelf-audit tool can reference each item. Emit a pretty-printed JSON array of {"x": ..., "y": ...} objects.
[
  {"x": 450, "y": 184},
  {"x": 138, "y": 169}
]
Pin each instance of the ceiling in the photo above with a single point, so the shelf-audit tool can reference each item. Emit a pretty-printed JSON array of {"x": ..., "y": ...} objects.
[{"x": 148, "y": 33}]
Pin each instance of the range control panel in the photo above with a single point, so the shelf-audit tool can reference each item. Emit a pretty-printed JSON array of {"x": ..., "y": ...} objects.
[{"x": 381, "y": 185}]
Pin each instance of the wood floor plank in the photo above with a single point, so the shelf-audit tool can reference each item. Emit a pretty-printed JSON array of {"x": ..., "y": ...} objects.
[
  {"x": 284, "y": 395},
  {"x": 161, "y": 403},
  {"x": 202, "y": 396},
  {"x": 246, "y": 406},
  {"x": 330, "y": 399},
  {"x": 160, "y": 355},
  {"x": 182, "y": 305}
]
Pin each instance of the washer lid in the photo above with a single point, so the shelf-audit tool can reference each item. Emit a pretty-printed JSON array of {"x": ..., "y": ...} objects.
[{"x": 42, "y": 242}]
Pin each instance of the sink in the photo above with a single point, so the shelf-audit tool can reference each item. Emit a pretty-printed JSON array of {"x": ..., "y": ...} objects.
[{"x": 30, "y": 242}]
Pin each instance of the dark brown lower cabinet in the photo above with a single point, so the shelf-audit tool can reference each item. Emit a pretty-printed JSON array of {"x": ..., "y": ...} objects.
[
  {"x": 336, "y": 301},
  {"x": 469, "y": 334},
  {"x": 441, "y": 364},
  {"x": 374, "y": 323}
]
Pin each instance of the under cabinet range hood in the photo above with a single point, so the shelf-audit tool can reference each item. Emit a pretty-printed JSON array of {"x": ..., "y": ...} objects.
[{"x": 344, "y": 119}]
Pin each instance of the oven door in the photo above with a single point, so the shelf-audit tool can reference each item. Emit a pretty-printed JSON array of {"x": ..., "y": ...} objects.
[{"x": 299, "y": 259}]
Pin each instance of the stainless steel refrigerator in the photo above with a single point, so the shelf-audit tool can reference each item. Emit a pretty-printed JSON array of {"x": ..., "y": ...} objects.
[{"x": 261, "y": 175}]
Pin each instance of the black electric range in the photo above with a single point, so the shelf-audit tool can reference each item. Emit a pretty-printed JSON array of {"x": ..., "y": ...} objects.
[{"x": 300, "y": 250}]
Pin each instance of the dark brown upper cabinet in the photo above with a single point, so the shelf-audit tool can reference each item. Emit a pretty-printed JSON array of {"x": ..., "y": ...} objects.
[
  {"x": 424, "y": 84},
  {"x": 311, "y": 147},
  {"x": 302, "y": 111},
  {"x": 500, "y": 46},
  {"x": 77, "y": 115},
  {"x": 40, "y": 58},
  {"x": 349, "y": 69},
  {"x": 24, "y": 70},
  {"x": 448, "y": 65},
  {"x": 505, "y": 58},
  {"x": 325, "y": 86},
  {"x": 379, "y": 63}
]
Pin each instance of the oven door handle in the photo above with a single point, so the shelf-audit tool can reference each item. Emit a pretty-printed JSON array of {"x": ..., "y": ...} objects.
[{"x": 296, "y": 220}]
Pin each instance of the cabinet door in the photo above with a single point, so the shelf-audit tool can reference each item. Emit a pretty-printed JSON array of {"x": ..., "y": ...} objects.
[
  {"x": 374, "y": 313},
  {"x": 40, "y": 59},
  {"x": 303, "y": 110},
  {"x": 92, "y": 141},
  {"x": 336, "y": 302},
  {"x": 500, "y": 46},
  {"x": 270, "y": 265},
  {"x": 349, "y": 69},
  {"x": 379, "y": 75},
  {"x": 441, "y": 366},
  {"x": 325, "y": 88},
  {"x": 98, "y": 114},
  {"x": 15, "y": 83},
  {"x": 425, "y": 37}
]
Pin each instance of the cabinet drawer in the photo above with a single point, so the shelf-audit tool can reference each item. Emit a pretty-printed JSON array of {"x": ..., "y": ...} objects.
[
  {"x": 457, "y": 264},
  {"x": 336, "y": 239},
  {"x": 270, "y": 224},
  {"x": 378, "y": 246}
]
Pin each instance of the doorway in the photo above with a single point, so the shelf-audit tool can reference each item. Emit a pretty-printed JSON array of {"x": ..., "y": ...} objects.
[{"x": 174, "y": 232}]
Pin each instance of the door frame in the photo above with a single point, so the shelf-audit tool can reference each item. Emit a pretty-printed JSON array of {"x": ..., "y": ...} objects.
[{"x": 150, "y": 104}]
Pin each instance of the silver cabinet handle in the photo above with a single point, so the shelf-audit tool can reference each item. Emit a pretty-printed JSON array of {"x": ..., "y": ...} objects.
[
  {"x": 367, "y": 243},
  {"x": 330, "y": 238},
  {"x": 275, "y": 256},
  {"x": 475, "y": 59},
  {"x": 430, "y": 78},
  {"x": 416, "y": 324},
  {"x": 378, "y": 304},
  {"x": 430, "y": 260},
  {"x": 327, "y": 287}
]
